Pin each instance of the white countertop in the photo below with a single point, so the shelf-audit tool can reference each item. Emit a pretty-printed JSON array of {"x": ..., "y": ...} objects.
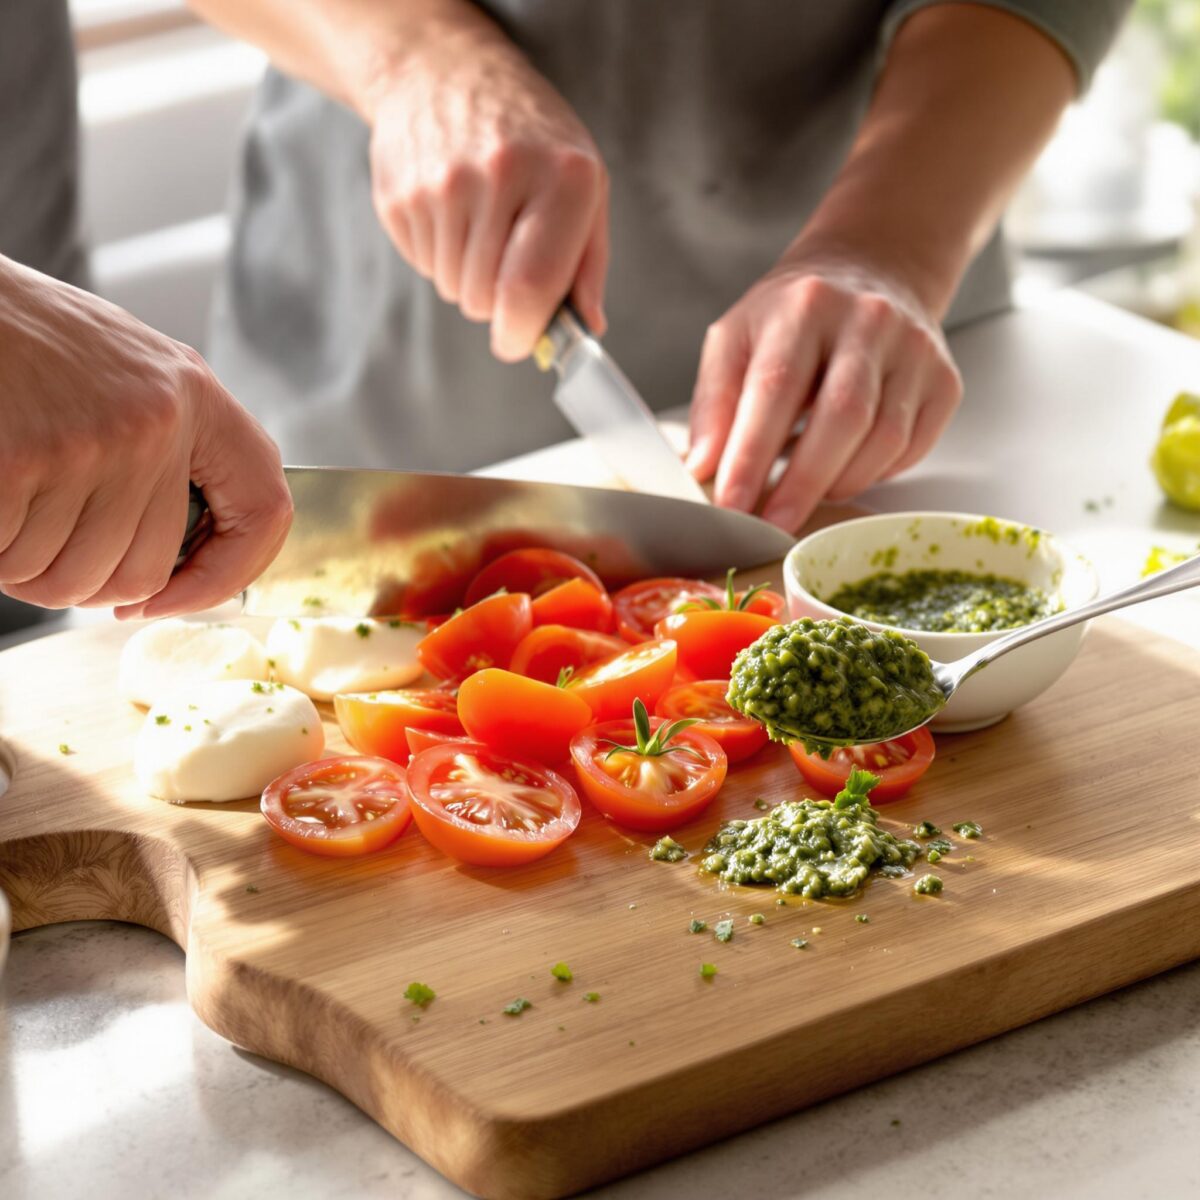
[{"x": 111, "y": 1088}]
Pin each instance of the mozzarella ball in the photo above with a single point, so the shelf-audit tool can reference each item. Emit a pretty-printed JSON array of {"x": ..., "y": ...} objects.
[
  {"x": 225, "y": 740},
  {"x": 173, "y": 654},
  {"x": 326, "y": 655}
]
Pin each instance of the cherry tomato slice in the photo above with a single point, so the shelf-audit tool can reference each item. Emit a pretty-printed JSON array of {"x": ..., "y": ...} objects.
[
  {"x": 576, "y": 603},
  {"x": 709, "y": 639},
  {"x": 651, "y": 793},
  {"x": 544, "y": 653},
  {"x": 487, "y": 809},
  {"x": 339, "y": 807},
  {"x": 377, "y": 722},
  {"x": 640, "y": 606},
  {"x": 899, "y": 763},
  {"x": 642, "y": 672},
  {"x": 704, "y": 701},
  {"x": 519, "y": 716},
  {"x": 484, "y": 635},
  {"x": 422, "y": 739},
  {"x": 533, "y": 571},
  {"x": 766, "y": 603}
]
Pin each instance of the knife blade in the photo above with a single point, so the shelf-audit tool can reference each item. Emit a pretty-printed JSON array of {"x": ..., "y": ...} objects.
[
  {"x": 605, "y": 408},
  {"x": 388, "y": 543}
]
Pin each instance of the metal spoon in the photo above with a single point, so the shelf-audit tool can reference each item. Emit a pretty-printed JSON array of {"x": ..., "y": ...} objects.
[{"x": 951, "y": 676}]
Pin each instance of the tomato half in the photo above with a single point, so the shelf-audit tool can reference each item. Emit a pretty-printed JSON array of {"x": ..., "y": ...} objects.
[
  {"x": 487, "y": 809},
  {"x": 642, "y": 672},
  {"x": 709, "y": 639},
  {"x": 533, "y": 571},
  {"x": 898, "y": 763},
  {"x": 339, "y": 807},
  {"x": 422, "y": 739},
  {"x": 651, "y": 793},
  {"x": 576, "y": 603},
  {"x": 545, "y": 651},
  {"x": 522, "y": 717},
  {"x": 640, "y": 606},
  {"x": 704, "y": 701},
  {"x": 484, "y": 635},
  {"x": 376, "y": 722},
  {"x": 766, "y": 603}
]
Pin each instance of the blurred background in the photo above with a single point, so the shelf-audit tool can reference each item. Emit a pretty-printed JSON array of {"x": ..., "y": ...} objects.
[{"x": 1113, "y": 206}]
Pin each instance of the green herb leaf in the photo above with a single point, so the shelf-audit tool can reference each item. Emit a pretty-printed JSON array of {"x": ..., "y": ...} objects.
[
  {"x": 565, "y": 676},
  {"x": 420, "y": 994},
  {"x": 858, "y": 785}
]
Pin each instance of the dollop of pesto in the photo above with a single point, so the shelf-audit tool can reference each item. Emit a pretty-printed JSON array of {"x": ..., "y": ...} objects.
[
  {"x": 811, "y": 848},
  {"x": 667, "y": 849},
  {"x": 928, "y": 885},
  {"x": 831, "y": 683},
  {"x": 944, "y": 601}
]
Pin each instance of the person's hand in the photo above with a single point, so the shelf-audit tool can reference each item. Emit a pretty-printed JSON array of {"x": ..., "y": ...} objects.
[
  {"x": 103, "y": 422},
  {"x": 843, "y": 345},
  {"x": 489, "y": 185}
]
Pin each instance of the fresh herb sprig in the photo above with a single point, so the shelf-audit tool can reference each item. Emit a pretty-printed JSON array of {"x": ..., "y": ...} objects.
[{"x": 652, "y": 744}]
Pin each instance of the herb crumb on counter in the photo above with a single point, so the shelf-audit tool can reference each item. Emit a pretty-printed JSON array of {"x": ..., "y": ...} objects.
[
  {"x": 562, "y": 972},
  {"x": 517, "y": 1007},
  {"x": 667, "y": 849},
  {"x": 928, "y": 885},
  {"x": 420, "y": 994}
]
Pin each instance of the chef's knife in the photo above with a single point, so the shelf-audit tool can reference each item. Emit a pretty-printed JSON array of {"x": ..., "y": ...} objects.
[
  {"x": 605, "y": 408},
  {"x": 368, "y": 542}
]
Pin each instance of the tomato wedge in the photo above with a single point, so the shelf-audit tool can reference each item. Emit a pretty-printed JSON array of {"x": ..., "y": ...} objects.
[
  {"x": 533, "y": 571},
  {"x": 487, "y": 809},
  {"x": 339, "y": 807},
  {"x": 575, "y": 603},
  {"x": 422, "y": 739},
  {"x": 652, "y": 792},
  {"x": 484, "y": 635},
  {"x": 709, "y": 639},
  {"x": 899, "y": 763},
  {"x": 640, "y": 606},
  {"x": 704, "y": 702},
  {"x": 642, "y": 672},
  {"x": 544, "y": 653},
  {"x": 377, "y": 722},
  {"x": 519, "y": 716}
]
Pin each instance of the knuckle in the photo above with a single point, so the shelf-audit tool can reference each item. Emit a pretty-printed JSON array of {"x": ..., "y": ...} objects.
[
  {"x": 502, "y": 161},
  {"x": 813, "y": 291},
  {"x": 453, "y": 185},
  {"x": 577, "y": 172},
  {"x": 875, "y": 313}
]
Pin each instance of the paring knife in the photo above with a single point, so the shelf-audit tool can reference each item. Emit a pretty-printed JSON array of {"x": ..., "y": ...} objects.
[
  {"x": 605, "y": 408},
  {"x": 388, "y": 543}
]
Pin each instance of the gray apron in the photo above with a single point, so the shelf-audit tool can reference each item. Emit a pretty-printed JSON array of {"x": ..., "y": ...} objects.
[{"x": 722, "y": 125}]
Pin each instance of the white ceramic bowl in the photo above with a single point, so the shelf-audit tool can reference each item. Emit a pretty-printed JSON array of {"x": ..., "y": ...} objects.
[{"x": 824, "y": 561}]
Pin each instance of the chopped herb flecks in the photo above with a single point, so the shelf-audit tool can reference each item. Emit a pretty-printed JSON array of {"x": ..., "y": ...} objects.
[
  {"x": 591, "y": 997},
  {"x": 707, "y": 970},
  {"x": 561, "y": 971},
  {"x": 419, "y": 993},
  {"x": 697, "y": 926},
  {"x": 363, "y": 629},
  {"x": 667, "y": 849},
  {"x": 63, "y": 748},
  {"x": 723, "y": 931},
  {"x": 756, "y": 919},
  {"x": 517, "y": 1007},
  {"x": 800, "y": 943},
  {"x": 162, "y": 719},
  {"x": 968, "y": 829},
  {"x": 926, "y": 829},
  {"x": 862, "y": 918}
]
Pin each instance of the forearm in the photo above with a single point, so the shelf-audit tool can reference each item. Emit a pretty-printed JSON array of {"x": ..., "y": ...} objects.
[
  {"x": 351, "y": 49},
  {"x": 967, "y": 98}
]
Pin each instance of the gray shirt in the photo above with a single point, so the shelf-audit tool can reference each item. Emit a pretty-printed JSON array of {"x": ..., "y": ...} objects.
[{"x": 722, "y": 125}]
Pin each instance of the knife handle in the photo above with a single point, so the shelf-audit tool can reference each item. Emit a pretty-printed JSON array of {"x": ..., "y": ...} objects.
[
  {"x": 566, "y": 331},
  {"x": 199, "y": 524}
]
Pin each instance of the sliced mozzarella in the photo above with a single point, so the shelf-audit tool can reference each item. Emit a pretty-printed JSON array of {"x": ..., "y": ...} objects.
[
  {"x": 173, "y": 654},
  {"x": 225, "y": 740},
  {"x": 326, "y": 655}
]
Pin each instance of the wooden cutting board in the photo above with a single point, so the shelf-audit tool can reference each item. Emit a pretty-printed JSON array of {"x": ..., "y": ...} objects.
[{"x": 1087, "y": 878}]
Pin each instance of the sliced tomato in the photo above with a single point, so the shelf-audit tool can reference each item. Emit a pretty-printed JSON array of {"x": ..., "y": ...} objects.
[
  {"x": 766, "y": 603},
  {"x": 487, "y": 809},
  {"x": 641, "y": 672},
  {"x": 640, "y": 606},
  {"x": 709, "y": 639},
  {"x": 533, "y": 571},
  {"x": 522, "y": 717},
  {"x": 898, "y": 763},
  {"x": 652, "y": 793},
  {"x": 339, "y": 807},
  {"x": 548, "y": 649},
  {"x": 377, "y": 722},
  {"x": 484, "y": 635},
  {"x": 422, "y": 739},
  {"x": 704, "y": 701},
  {"x": 575, "y": 603}
]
